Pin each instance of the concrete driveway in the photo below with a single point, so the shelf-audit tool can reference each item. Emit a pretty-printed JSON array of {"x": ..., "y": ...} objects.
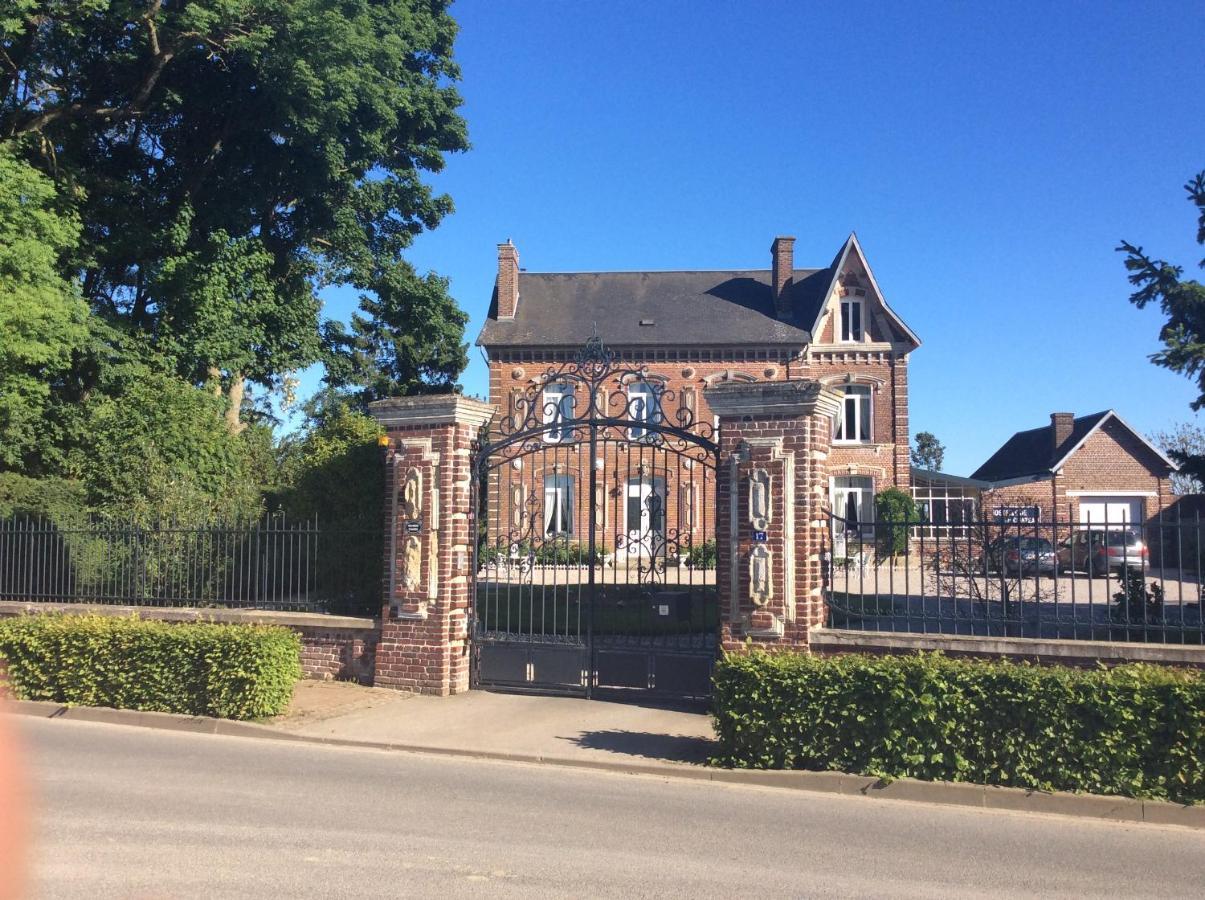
[{"x": 489, "y": 723}]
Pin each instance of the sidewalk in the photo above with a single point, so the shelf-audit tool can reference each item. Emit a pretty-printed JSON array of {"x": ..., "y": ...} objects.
[{"x": 482, "y": 722}]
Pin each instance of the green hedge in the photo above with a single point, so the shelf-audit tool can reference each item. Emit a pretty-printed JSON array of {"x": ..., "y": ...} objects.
[
  {"x": 230, "y": 671},
  {"x": 1135, "y": 730}
]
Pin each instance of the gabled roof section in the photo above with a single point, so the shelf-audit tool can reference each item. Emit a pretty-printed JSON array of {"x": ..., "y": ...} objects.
[
  {"x": 1030, "y": 453},
  {"x": 672, "y": 309},
  {"x": 850, "y": 247}
]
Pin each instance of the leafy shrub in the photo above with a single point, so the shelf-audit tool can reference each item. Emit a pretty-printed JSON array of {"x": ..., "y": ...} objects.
[
  {"x": 702, "y": 556},
  {"x": 1134, "y": 730},
  {"x": 550, "y": 553},
  {"x": 197, "y": 668},
  {"x": 895, "y": 505},
  {"x": 564, "y": 553},
  {"x": 334, "y": 472},
  {"x": 1134, "y": 604}
]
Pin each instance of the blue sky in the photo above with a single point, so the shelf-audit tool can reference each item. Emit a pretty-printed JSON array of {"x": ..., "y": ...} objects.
[{"x": 989, "y": 157}]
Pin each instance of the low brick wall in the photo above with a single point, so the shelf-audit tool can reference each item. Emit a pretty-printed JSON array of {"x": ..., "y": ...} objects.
[
  {"x": 830, "y": 641},
  {"x": 346, "y": 654},
  {"x": 332, "y": 647}
]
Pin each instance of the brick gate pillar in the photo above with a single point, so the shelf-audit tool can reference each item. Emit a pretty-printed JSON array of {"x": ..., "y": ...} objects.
[
  {"x": 772, "y": 488},
  {"x": 429, "y": 523}
]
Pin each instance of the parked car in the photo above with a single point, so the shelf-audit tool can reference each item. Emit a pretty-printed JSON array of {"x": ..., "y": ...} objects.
[
  {"x": 1098, "y": 551},
  {"x": 1016, "y": 555}
]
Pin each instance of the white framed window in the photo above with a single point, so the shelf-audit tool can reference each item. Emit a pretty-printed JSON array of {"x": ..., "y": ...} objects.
[
  {"x": 557, "y": 405},
  {"x": 853, "y": 503},
  {"x": 644, "y": 514},
  {"x": 854, "y": 423},
  {"x": 643, "y": 407},
  {"x": 558, "y": 505},
  {"x": 851, "y": 319}
]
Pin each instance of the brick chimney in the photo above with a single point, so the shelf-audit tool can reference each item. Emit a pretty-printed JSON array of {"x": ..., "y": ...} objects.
[
  {"x": 782, "y": 262},
  {"x": 508, "y": 280},
  {"x": 1061, "y": 425}
]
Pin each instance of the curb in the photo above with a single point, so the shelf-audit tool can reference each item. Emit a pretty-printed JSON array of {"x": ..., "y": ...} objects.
[{"x": 946, "y": 793}]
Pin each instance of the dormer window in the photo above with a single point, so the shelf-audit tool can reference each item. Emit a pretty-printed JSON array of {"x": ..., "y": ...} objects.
[{"x": 851, "y": 319}]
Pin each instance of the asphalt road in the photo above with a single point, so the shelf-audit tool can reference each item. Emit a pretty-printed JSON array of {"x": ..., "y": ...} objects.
[{"x": 130, "y": 812}]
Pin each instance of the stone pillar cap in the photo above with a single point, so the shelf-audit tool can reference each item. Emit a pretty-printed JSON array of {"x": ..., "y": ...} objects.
[{"x": 431, "y": 409}]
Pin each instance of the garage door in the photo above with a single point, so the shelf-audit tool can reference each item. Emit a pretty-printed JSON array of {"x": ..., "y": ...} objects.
[{"x": 1104, "y": 510}]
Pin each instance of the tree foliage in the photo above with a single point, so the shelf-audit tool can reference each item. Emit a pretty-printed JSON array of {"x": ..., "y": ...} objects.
[
  {"x": 232, "y": 157},
  {"x": 333, "y": 467},
  {"x": 407, "y": 339},
  {"x": 928, "y": 452},
  {"x": 1185, "y": 444},
  {"x": 894, "y": 508},
  {"x": 1181, "y": 300},
  {"x": 43, "y": 321}
]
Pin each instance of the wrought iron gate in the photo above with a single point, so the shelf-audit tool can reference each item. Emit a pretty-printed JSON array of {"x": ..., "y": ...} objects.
[{"x": 595, "y": 553}]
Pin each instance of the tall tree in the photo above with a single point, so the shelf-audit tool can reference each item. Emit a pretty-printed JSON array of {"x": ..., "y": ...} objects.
[
  {"x": 406, "y": 339},
  {"x": 43, "y": 321},
  {"x": 235, "y": 156},
  {"x": 1181, "y": 300},
  {"x": 928, "y": 452}
]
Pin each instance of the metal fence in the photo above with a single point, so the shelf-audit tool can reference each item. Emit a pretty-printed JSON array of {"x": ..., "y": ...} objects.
[
  {"x": 271, "y": 564},
  {"x": 1113, "y": 581}
]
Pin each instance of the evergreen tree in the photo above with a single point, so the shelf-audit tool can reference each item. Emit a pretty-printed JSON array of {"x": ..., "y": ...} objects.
[{"x": 1182, "y": 301}]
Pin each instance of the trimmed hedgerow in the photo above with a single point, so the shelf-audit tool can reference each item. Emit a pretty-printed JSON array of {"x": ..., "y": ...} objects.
[
  {"x": 1135, "y": 730},
  {"x": 198, "y": 668}
]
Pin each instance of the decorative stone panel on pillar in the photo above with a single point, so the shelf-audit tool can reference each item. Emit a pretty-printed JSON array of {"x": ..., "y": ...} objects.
[
  {"x": 772, "y": 487},
  {"x": 429, "y": 527}
]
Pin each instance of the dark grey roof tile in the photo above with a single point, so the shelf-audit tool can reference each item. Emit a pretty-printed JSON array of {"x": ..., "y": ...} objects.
[{"x": 684, "y": 308}]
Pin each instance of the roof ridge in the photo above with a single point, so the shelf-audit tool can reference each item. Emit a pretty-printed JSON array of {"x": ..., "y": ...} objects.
[{"x": 662, "y": 271}]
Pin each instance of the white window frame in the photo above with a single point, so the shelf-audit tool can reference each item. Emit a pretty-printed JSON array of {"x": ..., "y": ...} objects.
[
  {"x": 643, "y": 406},
  {"x": 863, "y": 416},
  {"x": 640, "y": 488},
  {"x": 845, "y": 332},
  {"x": 865, "y": 490},
  {"x": 558, "y": 506},
  {"x": 557, "y": 406}
]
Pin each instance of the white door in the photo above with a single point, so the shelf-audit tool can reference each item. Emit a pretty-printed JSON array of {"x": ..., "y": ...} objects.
[
  {"x": 1109, "y": 511},
  {"x": 645, "y": 515}
]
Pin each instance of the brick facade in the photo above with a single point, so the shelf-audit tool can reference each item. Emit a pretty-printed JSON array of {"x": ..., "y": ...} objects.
[{"x": 1111, "y": 460}]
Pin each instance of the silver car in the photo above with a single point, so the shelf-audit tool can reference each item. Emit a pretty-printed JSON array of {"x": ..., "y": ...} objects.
[{"x": 1099, "y": 551}]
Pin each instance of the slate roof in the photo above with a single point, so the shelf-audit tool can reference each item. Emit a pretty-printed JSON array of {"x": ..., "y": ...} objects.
[
  {"x": 1032, "y": 452},
  {"x": 1029, "y": 453},
  {"x": 695, "y": 308}
]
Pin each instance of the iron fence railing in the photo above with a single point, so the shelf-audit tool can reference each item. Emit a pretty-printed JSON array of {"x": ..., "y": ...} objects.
[
  {"x": 1114, "y": 581},
  {"x": 273, "y": 563}
]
